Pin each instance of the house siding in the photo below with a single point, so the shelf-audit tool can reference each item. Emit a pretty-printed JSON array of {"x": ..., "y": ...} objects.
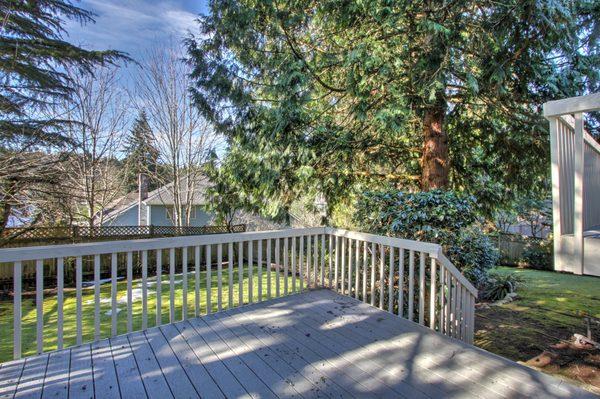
[
  {"x": 127, "y": 218},
  {"x": 158, "y": 216}
]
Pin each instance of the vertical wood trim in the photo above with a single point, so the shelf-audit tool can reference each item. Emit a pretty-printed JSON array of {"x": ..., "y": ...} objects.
[
  {"x": 448, "y": 301},
  {"x": 373, "y": 260},
  {"x": 308, "y": 259},
  {"x": 294, "y": 264},
  {"x": 301, "y": 263},
  {"x": 285, "y": 265},
  {"x": 277, "y": 267},
  {"x": 316, "y": 260},
  {"x": 259, "y": 270},
  {"x": 322, "y": 260},
  {"x": 381, "y": 276},
  {"x": 578, "y": 195},
  {"x": 158, "y": 287},
  {"x": 144, "y": 290},
  {"x": 442, "y": 323},
  {"x": 96, "y": 297},
  {"x": 422, "y": 288},
  {"x": 60, "y": 300},
  {"x": 556, "y": 205},
  {"x": 411, "y": 285},
  {"x": 113, "y": 294},
  {"x": 39, "y": 302},
  {"x": 208, "y": 280},
  {"x": 330, "y": 260},
  {"x": 250, "y": 272},
  {"x": 220, "y": 277},
  {"x": 432, "y": 293},
  {"x": 184, "y": 283},
  {"x": 230, "y": 277},
  {"x": 391, "y": 282},
  {"x": 337, "y": 263},
  {"x": 172, "y": 285},
  {"x": 365, "y": 266},
  {"x": 197, "y": 261},
  {"x": 269, "y": 269},
  {"x": 129, "y": 293},
  {"x": 357, "y": 269},
  {"x": 350, "y": 266},
  {"x": 78, "y": 301},
  {"x": 401, "y": 283},
  {"x": 240, "y": 273},
  {"x": 343, "y": 269},
  {"x": 17, "y": 311}
]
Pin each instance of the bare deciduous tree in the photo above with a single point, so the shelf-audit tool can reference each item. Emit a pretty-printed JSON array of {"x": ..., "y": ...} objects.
[{"x": 183, "y": 138}]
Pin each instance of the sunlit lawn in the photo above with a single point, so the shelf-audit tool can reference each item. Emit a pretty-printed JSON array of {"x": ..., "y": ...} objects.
[{"x": 50, "y": 308}]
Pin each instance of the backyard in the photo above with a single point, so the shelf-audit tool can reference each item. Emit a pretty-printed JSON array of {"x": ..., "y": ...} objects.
[
  {"x": 50, "y": 313},
  {"x": 550, "y": 308}
]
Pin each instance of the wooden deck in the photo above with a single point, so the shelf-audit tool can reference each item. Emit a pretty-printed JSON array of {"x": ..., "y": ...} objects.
[{"x": 314, "y": 344}]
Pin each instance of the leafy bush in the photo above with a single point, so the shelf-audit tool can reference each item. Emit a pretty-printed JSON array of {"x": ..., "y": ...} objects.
[
  {"x": 538, "y": 255},
  {"x": 498, "y": 285},
  {"x": 443, "y": 217}
]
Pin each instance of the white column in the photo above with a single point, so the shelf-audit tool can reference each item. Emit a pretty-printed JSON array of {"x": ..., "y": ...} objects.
[
  {"x": 578, "y": 200},
  {"x": 554, "y": 143}
]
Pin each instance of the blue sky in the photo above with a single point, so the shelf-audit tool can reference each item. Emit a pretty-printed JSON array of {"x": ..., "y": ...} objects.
[{"x": 134, "y": 25}]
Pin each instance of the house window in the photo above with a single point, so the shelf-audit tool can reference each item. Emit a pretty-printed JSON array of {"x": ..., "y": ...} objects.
[{"x": 171, "y": 217}]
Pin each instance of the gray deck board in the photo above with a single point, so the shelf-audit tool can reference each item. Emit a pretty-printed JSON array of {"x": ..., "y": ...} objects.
[{"x": 309, "y": 345}]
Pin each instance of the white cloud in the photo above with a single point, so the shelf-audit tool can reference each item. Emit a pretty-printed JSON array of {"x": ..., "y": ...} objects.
[{"x": 134, "y": 25}]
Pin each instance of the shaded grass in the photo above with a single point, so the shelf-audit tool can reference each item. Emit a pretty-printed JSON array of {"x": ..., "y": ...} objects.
[
  {"x": 550, "y": 307},
  {"x": 28, "y": 329}
]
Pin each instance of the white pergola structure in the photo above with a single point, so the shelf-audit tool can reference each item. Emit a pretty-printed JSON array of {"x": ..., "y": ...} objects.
[{"x": 575, "y": 185}]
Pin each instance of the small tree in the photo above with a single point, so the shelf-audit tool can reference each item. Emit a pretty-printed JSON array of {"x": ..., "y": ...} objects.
[{"x": 141, "y": 154}]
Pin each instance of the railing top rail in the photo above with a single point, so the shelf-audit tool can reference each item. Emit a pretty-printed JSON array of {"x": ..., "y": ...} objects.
[
  {"x": 430, "y": 248},
  {"x": 456, "y": 273},
  {"x": 569, "y": 121},
  {"x": 572, "y": 105},
  {"x": 106, "y": 247}
]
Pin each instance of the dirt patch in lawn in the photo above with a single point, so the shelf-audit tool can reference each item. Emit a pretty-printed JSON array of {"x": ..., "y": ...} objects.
[{"x": 538, "y": 342}]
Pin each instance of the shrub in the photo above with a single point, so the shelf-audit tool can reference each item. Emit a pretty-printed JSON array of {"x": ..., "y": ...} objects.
[
  {"x": 538, "y": 255},
  {"x": 444, "y": 217},
  {"x": 497, "y": 285}
]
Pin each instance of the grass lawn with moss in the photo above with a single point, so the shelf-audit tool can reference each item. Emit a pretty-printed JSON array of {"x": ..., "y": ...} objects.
[
  {"x": 549, "y": 308},
  {"x": 50, "y": 308}
]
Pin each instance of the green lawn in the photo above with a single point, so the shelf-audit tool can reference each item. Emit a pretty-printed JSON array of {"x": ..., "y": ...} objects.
[
  {"x": 548, "y": 307},
  {"x": 50, "y": 309}
]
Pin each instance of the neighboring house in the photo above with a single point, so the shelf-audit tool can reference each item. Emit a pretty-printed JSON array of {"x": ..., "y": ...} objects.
[{"x": 157, "y": 210}]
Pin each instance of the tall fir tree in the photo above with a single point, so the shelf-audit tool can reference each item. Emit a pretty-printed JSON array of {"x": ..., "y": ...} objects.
[
  {"x": 141, "y": 154},
  {"x": 334, "y": 96}
]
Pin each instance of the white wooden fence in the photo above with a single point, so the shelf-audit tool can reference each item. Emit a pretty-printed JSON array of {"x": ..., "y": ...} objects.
[{"x": 411, "y": 279}]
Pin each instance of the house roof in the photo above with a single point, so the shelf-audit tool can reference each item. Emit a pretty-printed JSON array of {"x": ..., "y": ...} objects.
[{"x": 161, "y": 196}]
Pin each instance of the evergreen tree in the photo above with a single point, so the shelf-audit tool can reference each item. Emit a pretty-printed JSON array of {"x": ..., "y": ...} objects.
[
  {"x": 33, "y": 57},
  {"x": 141, "y": 152},
  {"x": 334, "y": 96}
]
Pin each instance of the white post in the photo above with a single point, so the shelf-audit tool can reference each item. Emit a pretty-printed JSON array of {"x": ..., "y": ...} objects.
[
  {"x": 578, "y": 200},
  {"x": 556, "y": 229}
]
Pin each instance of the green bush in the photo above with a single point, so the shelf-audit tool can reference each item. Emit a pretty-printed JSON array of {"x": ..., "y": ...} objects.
[
  {"x": 444, "y": 217},
  {"x": 538, "y": 255},
  {"x": 497, "y": 285}
]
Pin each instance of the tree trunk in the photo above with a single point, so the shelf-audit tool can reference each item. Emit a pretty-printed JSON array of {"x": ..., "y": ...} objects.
[{"x": 435, "y": 162}]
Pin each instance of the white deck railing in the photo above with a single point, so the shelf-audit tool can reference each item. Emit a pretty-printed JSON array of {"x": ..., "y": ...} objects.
[{"x": 411, "y": 279}]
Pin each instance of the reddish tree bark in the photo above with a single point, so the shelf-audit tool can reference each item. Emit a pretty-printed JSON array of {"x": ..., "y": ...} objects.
[{"x": 434, "y": 161}]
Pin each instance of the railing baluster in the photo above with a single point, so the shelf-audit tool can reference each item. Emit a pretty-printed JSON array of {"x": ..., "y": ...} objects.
[
  {"x": 432, "y": 294},
  {"x": 197, "y": 261},
  {"x": 96, "y": 297},
  {"x": 391, "y": 282},
  {"x": 364, "y": 272},
  {"x": 113, "y": 294},
  {"x": 357, "y": 269},
  {"x": 442, "y": 323},
  {"x": 422, "y": 288},
  {"x": 208, "y": 280},
  {"x": 259, "y": 269},
  {"x": 158, "y": 287},
  {"x": 230, "y": 277},
  {"x": 448, "y": 301},
  {"x": 277, "y": 266},
  {"x": 285, "y": 265},
  {"x": 381, "y": 275},
  {"x": 17, "y": 311},
  {"x": 184, "y": 283},
  {"x": 250, "y": 273},
  {"x": 240, "y": 273},
  {"x": 78, "y": 304},
  {"x": 144, "y": 289},
  {"x": 294, "y": 258},
  {"x": 330, "y": 262},
  {"x": 60, "y": 300},
  {"x": 350, "y": 267},
  {"x": 401, "y": 283},
  {"x": 411, "y": 284},
  {"x": 39, "y": 301},
  {"x": 220, "y": 277},
  {"x": 308, "y": 253},
  {"x": 316, "y": 260},
  {"x": 269, "y": 269},
  {"x": 337, "y": 262},
  {"x": 301, "y": 263},
  {"x": 454, "y": 307},
  {"x": 343, "y": 269},
  {"x": 171, "y": 285},
  {"x": 373, "y": 262},
  {"x": 322, "y": 260},
  {"x": 129, "y": 293}
]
